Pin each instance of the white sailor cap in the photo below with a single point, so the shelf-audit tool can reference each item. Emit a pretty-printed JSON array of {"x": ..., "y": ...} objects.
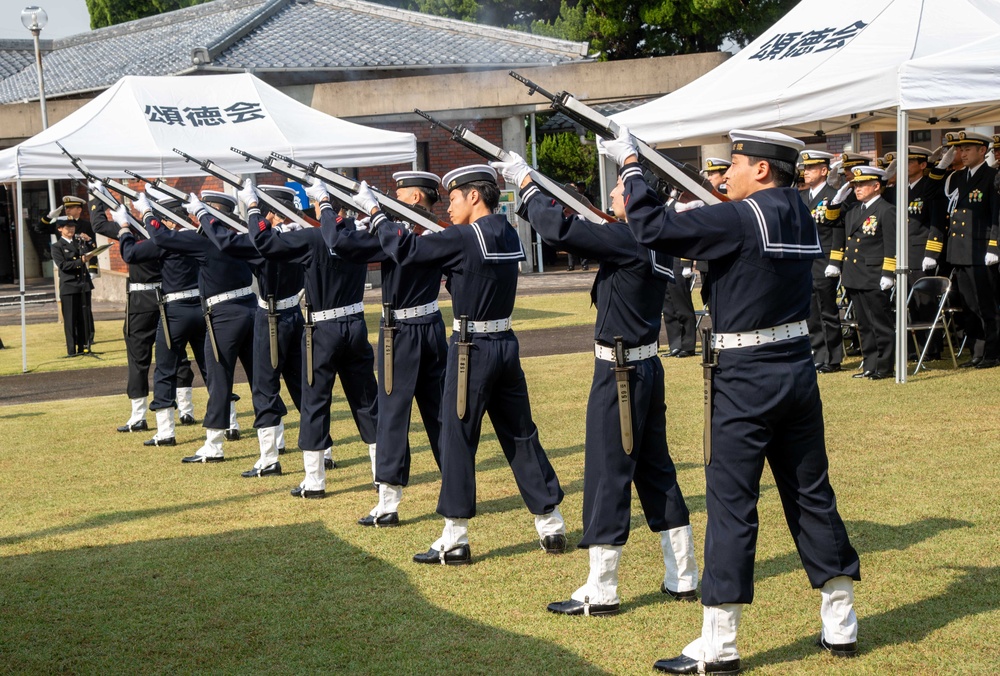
[
  {"x": 217, "y": 197},
  {"x": 853, "y": 160},
  {"x": 770, "y": 145},
  {"x": 967, "y": 138},
  {"x": 474, "y": 172},
  {"x": 813, "y": 157},
  {"x": 918, "y": 153},
  {"x": 416, "y": 179},
  {"x": 716, "y": 164},
  {"x": 867, "y": 173},
  {"x": 279, "y": 192}
]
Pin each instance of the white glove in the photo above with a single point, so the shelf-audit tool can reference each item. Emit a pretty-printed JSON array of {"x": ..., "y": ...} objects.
[
  {"x": 890, "y": 171},
  {"x": 120, "y": 215},
  {"x": 992, "y": 259},
  {"x": 841, "y": 195},
  {"x": 317, "y": 191},
  {"x": 991, "y": 159},
  {"x": 365, "y": 199},
  {"x": 142, "y": 204},
  {"x": 514, "y": 170},
  {"x": 620, "y": 148},
  {"x": 362, "y": 223},
  {"x": 248, "y": 194},
  {"x": 928, "y": 264},
  {"x": 686, "y": 272},
  {"x": 832, "y": 271},
  {"x": 97, "y": 187},
  {"x": 681, "y": 207},
  {"x": 55, "y": 213},
  {"x": 194, "y": 205},
  {"x": 947, "y": 159},
  {"x": 157, "y": 195},
  {"x": 833, "y": 178},
  {"x": 886, "y": 283}
]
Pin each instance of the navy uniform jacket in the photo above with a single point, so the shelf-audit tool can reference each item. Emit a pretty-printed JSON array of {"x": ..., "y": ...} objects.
[
  {"x": 760, "y": 249},
  {"x": 480, "y": 261},
  {"x": 217, "y": 272},
  {"x": 830, "y": 225},
  {"x": 632, "y": 280},
  {"x": 178, "y": 272},
  {"x": 139, "y": 271},
  {"x": 67, "y": 259},
  {"x": 926, "y": 205},
  {"x": 971, "y": 230},
  {"x": 870, "y": 253}
]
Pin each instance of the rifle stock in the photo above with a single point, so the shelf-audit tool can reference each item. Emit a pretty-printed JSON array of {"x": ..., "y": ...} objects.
[{"x": 176, "y": 193}]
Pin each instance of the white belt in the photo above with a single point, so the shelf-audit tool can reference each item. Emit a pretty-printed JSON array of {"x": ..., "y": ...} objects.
[
  {"x": 229, "y": 295},
  {"x": 181, "y": 295},
  {"x": 143, "y": 287},
  {"x": 338, "y": 312},
  {"x": 282, "y": 304},
  {"x": 491, "y": 326},
  {"x": 774, "y": 334},
  {"x": 631, "y": 353},
  {"x": 414, "y": 312}
]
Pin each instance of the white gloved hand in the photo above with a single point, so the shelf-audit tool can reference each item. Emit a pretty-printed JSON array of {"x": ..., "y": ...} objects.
[
  {"x": 55, "y": 213},
  {"x": 681, "y": 207},
  {"x": 193, "y": 205},
  {"x": 947, "y": 159},
  {"x": 514, "y": 170},
  {"x": 992, "y": 259},
  {"x": 832, "y": 271},
  {"x": 991, "y": 159},
  {"x": 841, "y": 195},
  {"x": 687, "y": 272},
  {"x": 620, "y": 148},
  {"x": 248, "y": 194},
  {"x": 928, "y": 264},
  {"x": 886, "y": 283},
  {"x": 97, "y": 187},
  {"x": 317, "y": 191},
  {"x": 890, "y": 171},
  {"x": 365, "y": 199},
  {"x": 120, "y": 215},
  {"x": 142, "y": 205},
  {"x": 362, "y": 223}
]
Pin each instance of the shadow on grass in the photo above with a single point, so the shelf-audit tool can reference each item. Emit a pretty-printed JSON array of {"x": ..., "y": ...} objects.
[
  {"x": 11, "y": 416},
  {"x": 976, "y": 592},
  {"x": 250, "y": 601}
]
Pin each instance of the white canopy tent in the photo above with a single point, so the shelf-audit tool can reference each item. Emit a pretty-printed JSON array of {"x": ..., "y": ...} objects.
[
  {"x": 961, "y": 84},
  {"x": 138, "y": 122}
]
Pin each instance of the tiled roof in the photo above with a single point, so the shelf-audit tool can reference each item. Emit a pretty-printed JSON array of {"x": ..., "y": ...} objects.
[
  {"x": 308, "y": 40},
  {"x": 15, "y": 55}
]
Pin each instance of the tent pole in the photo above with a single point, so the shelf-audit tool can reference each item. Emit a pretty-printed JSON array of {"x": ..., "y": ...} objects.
[
  {"x": 20, "y": 274},
  {"x": 902, "y": 238}
]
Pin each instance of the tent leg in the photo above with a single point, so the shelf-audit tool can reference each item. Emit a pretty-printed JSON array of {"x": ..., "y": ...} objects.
[
  {"x": 902, "y": 239},
  {"x": 20, "y": 273}
]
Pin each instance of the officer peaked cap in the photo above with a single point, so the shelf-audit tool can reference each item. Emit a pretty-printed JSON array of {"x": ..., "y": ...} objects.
[
  {"x": 814, "y": 157},
  {"x": 72, "y": 201},
  {"x": 849, "y": 160},
  {"x": 771, "y": 145},
  {"x": 967, "y": 138},
  {"x": 996, "y": 142},
  {"x": 918, "y": 153},
  {"x": 717, "y": 164},
  {"x": 416, "y": 179},
  {"x": 456, "y": 178},
  {"x": 866, "y": 173}
]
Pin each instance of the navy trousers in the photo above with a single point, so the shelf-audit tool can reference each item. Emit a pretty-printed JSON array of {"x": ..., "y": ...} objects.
[
  {"x": 979, "y": 303},
  {"x": 232, "y": 322},
  {"x": 496, "y": 387},
  {"x": 139, "y": 341},
  {"x": 609, "y": 472},
  {"x": 340, "y": 348},
  {"x": 420, "y": 353},
  {"x": 187, "y": 327},
  {"x": 824, "y": 323},
  {"x": 878, "y": 333},
  {"x": 268, "y": 407},
  {"x": 678, "y": 316},
  {"x": 767, "y": 407}
]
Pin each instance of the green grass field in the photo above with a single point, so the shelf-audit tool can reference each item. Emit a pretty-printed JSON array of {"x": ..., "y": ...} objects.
[{"x": 117, "y": 558}]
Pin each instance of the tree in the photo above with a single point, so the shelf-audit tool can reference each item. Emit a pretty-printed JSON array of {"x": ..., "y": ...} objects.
[
  {"x": 111, "y": 12},
  {"x": 516, "y": 14},
  {"x": 563, "y": 158}
]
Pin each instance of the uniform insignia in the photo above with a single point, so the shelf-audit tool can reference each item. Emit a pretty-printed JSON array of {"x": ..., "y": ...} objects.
[
  {"x": 976, "y": 196},
  {"x": 916, "y": 206},
  {"x": 870, "y": 225},
  {"x": 819, "y": 213}
]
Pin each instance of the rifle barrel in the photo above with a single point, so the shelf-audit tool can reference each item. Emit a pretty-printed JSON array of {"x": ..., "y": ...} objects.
[{"x": 532, "y": 86}]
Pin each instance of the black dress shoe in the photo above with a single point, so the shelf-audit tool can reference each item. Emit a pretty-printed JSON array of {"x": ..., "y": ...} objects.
[
  {"x": 679, "y": 596},
  {"x": 834, "y": 368},
  {"x": 300, "y": 492},
  {"x": 573, "y": 607},
  {"x": 866, "y": 374},
  {"x": 682, "y": 664},
  {"x": 187, "y": 419},
  {"x": 270, "y": 470},
  {"x": 822, "y": 368},
  {"x": 328, "y": 463},
  {"x": 838, "y": 649},
  {"x": 169, "y": 441},
  {"x": 459, "y": 556},
  {"x": 232, "y": 434},
  {"x": 553, "y": 544},
  {"x": 673, "y": 353},
  {"x": 685, "y": 353},
  {"x": 140, "y": 426},
  {"x": 988, "y": 364},
  {"x": 281, "y": 451},
  {"x": 203, "y": 458},
  {"x": 390, "y": 520},
  {"x": 879, "y": 376},
  {"x": 971, "y": 363}
]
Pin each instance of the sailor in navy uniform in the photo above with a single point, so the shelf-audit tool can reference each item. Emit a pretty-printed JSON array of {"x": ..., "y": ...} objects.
[
  {"x": 229, "y": 303},
  {"x": 69, "y": 257},
  {"x": 334, "y": 299},
  {"x": 74, "y": 209},
  {"x": 970, "y": 234},
  {"x": 418, "y": 350},
  {"x": 282, "y": 283},
  {"x": 766, "y": 402},
  {"x": 824, "y": 317},
  {"x": 178, "y": 302},
  {"x": 479, "y": 256},
  {"x": 627, "y": 292}
]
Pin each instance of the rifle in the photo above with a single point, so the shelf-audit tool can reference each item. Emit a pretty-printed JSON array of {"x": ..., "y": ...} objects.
[
  {"x": 181, "y": 195},
  {"x": 407, "y": 212},
  {"x": 102, "y": 197},
  {"x": 213, "y": 169},
  {"x": 295, "y": 174},
  {"x": 675, "y": 172},
  {"x": 477, "y": 144}
]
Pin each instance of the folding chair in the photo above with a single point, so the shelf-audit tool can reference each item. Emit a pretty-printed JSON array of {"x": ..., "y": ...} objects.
[{"x": 937, "y": 288}]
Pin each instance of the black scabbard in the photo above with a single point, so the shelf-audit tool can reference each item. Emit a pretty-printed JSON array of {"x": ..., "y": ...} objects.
[
  {"x": 308, "y": 327},
  {"x": 128, "y": 298},
  {"x": 163, "y": 318},
  {"x": 463, "y": 366},
  {"x": 207, "y": 310},
  {"x": 708, "y": 363},
  {"x": 621, "y": 370},
  {"x": 388, "y": 331}
]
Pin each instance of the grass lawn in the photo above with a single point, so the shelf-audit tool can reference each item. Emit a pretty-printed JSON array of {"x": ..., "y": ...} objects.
[{"x": 117, "y": 558}]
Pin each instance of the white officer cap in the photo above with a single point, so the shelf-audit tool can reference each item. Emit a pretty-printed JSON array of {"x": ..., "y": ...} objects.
[
  {"x": 456, "y": 178},
  {"x": 853, "y": 160},
  {"x": 279, "y": 192},
  {"x": 416, "y": 179},
  {"x": 918, "y": 153},
  {"x": 967, "y": 138},
  {"x": 867, "y": 173},
  {"x": 716, "y": 164},
  {"x": 220, "y": 198},
  {"x": 812, "y": 157},
  {"x": 72, "y": 201}
]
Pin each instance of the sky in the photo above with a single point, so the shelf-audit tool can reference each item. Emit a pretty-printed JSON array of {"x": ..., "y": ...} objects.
[{"x": 66, "y": 17}]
